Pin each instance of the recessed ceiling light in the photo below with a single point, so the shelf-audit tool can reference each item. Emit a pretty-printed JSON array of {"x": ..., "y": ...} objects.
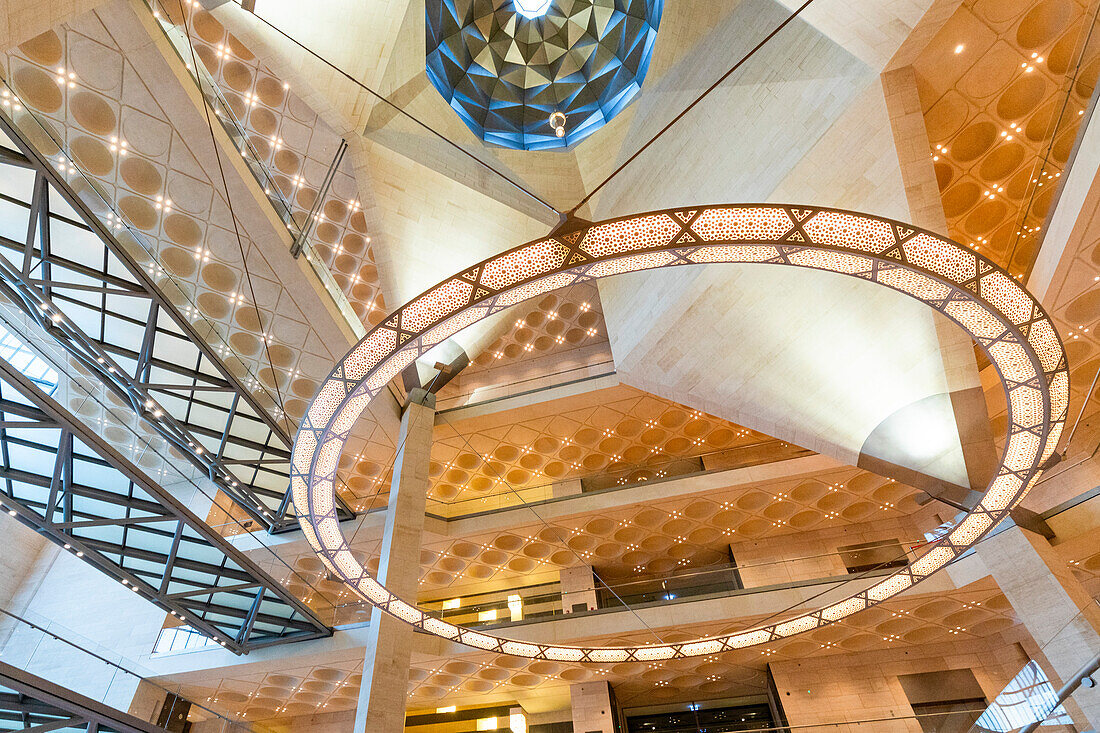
[{"x": 959, "y": 48}]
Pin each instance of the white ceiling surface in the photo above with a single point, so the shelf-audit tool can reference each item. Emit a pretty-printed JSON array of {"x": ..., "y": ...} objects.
[
  {"x": 871, "y": 30},
  {"x": 815, "y": 358}
]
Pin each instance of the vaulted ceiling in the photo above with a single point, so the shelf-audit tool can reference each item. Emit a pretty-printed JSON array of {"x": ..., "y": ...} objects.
[
  {"x": 977, "y": 96},
  {"x": 717, "y": 338}
]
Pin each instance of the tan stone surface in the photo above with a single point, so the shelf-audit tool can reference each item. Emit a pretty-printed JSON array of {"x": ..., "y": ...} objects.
[
  {"x": 22, "y": 20},
  {"x": 1056, "y": 610},
  {"x": 389, "y": 641}
]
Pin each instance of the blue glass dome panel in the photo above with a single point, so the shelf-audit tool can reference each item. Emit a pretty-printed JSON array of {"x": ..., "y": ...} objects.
[{"x": 505, "y": 73}]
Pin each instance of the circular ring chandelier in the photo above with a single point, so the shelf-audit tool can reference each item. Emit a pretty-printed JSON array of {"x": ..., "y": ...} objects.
[{"x": 1007, "y": 323}]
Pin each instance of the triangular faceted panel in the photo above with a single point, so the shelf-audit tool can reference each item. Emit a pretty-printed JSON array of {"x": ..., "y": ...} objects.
[{"x": 505, "y": 73}]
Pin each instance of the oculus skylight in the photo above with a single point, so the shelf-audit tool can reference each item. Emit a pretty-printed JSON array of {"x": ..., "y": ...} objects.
[{"x": 507, "y": 66}]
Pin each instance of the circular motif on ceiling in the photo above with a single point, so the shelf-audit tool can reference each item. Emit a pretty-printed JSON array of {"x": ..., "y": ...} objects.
[
  {"x": 505, "y": 73},
  {"x": 1005, "y": 321}
]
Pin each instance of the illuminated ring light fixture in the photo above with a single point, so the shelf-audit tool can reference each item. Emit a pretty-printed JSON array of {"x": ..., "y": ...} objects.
[{"x": 1007, "y": 323}]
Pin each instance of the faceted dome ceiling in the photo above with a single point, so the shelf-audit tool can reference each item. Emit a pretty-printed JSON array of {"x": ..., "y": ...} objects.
[{"x": 505, "y": 74}]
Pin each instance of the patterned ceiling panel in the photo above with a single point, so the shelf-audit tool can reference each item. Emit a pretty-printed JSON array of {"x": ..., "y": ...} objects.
[
  {"x": 296, "y": 148},
  {"x": 620, "y": 430},
  {"x": 681, "y": 533},
  {"x": 106, "y": 114},
  {"x": 1004, "y": 87},
  {"x": 1003, "y": 98},
  {"x": 99, "y": 107},
  {"x": 976, "y": 612},
  {"x": 566, "y": 326}
]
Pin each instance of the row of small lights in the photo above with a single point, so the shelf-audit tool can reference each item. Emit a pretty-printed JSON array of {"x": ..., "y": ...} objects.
[
  {"x": 222, "y": 51},
  {"x": 680, "y": 539},
  {"x": 1014, "y": 128},
  {"x": 553, "y": 315}
]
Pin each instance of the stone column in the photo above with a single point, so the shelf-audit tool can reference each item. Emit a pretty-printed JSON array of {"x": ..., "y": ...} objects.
[
  {"x": 594, "y": 708},
  {"x": 386, "y": 663},
  {"x": 578, "y": 587},
  {"x": 1053, "y": 605},
  {"x": 568, "y": 487}
]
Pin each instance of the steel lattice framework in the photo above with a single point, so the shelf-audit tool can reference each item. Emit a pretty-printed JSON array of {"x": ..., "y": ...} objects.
[
  {"x": 62, "y": 479},
  {"x": 74, "y": 277},
  {"x": 71, "y": 277},
  {"x": 1006, "y": 322},
  {"x": 505, "y": 74},
  {"x": 30, "y": 704}
]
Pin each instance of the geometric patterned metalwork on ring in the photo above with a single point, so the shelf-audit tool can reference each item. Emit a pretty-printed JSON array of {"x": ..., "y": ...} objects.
[
  {"x": 1007, "y": 323},
  {"x": 505, "y": 74}
]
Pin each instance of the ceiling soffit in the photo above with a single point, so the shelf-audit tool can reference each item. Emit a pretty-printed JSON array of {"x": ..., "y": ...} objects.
[
  {"x": 1002, "y": 111},
  {"x": 917, "y": 625}
]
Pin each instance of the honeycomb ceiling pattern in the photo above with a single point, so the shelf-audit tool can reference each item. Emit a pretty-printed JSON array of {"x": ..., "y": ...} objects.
[
  {"x": 992, "y": 85},
  {"x": 1076, "y": 313},
  {"x": 504, "y": 74},
  {"x": 296, "y": 148},
  {"x": 473, "y": 678},
  {"x": 567, "y": 325},
  {"x": 102, "y": 110},
  {"x": 679, "y": 533},
  {"x": 1073, "y": 302},
  {"x": 613, "y": 429},
  {"x": 990, "y": 123},
  {"x": 110, "y": 122},
  {"x": 638, "y": 540}
]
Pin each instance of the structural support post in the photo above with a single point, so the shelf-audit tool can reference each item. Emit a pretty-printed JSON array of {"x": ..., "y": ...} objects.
[
  {"x": 578, "y": 589},
  {"x": 386, "y": 664},
  {"x": 595, "y": 709},
  {"x": 1053, "y": 605}
]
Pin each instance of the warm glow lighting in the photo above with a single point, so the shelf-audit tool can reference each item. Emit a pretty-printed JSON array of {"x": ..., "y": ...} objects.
[
  {"x": 1007, "y": 323},
  {"x": 448, "y": 709},
  {"x": 490, "y": 615},
  {"x": 515, "y": 607},
  {"x": 532, "y": 8},
  {"x": 486, "y": 723},
  {"x": 557, "y": 122},
  {"x": 452, "y": 604},
  {"x": 517, "y": 723},
  {"x": 959, "y": 48}
]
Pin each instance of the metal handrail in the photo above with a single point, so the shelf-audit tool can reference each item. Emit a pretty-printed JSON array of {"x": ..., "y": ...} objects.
[{"x": 57, "y": 637}]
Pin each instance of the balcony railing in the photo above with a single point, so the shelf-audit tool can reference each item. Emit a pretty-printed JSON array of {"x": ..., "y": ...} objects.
[
  {"x": 618, "y": 476},
  {"x": 549, "y": 600}
]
